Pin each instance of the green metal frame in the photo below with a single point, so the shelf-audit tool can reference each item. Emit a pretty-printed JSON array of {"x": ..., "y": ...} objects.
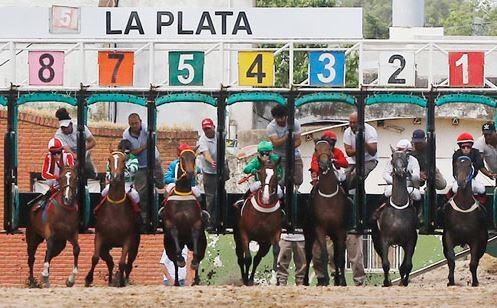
[
  {"x": 325, "y": 97},
  {"x": 187, "y": 98},
  {"x": 465, "y": 98},
  {"x": 116, "y": 97},
  {"x": 396, "y": 99},
  {"x": 46, "y": 97},
  {"x": 256, "y": 97},
  {"x": 3, "y": 101}
]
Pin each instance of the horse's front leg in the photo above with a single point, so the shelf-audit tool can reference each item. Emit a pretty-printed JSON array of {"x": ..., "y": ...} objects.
[
  {"x": 406, "y": 266},
  {"x": 122, "y": 265},
  {"x": 385, "y": 263},
  {"x": 195, "y": 238},
  {"x": 263, "y": 250},
  {"x": 94, "y": 261},
  {"x": 448, "y": 249},
  {"x": 179, "y": 256},
  {"x": 75, "y": 251},
  {"x": 322, "y": 257},
  {"x": 247, "y": 258},
  {"x": 477, "y": 249},
  {"x": 45, "y": 274},
  {"x": 339, "y": 259}
]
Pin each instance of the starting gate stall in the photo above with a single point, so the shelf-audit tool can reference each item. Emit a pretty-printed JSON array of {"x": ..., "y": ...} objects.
[{"x": 105, "y": 60}]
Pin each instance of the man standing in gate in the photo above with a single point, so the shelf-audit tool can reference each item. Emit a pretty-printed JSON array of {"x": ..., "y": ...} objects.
[
  {"x": 136, "y": 133},
  {"x": 354, "y": 241},
  {"x": 487, "y": 145},
  {"x": 207, "y": 147}
]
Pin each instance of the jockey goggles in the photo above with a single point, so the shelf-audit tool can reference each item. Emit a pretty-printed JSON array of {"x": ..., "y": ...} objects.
[
  {"x": 465, "y": 145},
  {"x": 265, "y": 153},
  {"x": 58, "y": 151}
]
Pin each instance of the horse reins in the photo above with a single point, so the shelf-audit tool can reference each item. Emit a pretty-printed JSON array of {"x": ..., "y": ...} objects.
[{"x": 183, "y": 173}]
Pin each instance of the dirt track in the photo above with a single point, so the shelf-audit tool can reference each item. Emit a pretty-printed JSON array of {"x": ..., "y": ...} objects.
[{"x": 429, "y": 290}]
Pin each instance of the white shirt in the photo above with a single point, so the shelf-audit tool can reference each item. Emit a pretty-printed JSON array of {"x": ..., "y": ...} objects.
[
  {"x": 71, "y": 140},
  {"x": 170, "y": 265},
  {"x": 292, "y": 237},
  {"x": 412, "y": 167},
  {"x": 273, "y": 129},
  {"x": 210, "y": 145},
  {"x": 488, "y": 152},
  {"x": 370, "y": 136}
]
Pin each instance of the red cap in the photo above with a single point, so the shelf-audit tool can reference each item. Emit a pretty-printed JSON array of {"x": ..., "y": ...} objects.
[
  {"x": 182, "y": 147},
  {"x": 465, "y": 138},
  {"x": 207, "y": 123},
  {"x": 329, "y": 135}
]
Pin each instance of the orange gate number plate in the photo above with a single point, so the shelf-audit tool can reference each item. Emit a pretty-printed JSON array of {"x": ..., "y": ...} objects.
[{"x": 115, "y": 68}]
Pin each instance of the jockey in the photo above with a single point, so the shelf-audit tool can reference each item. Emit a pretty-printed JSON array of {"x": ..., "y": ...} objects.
[
  {"x": 339, "y": 160},
  {"x": 465, "y": 142},
  {"x": 172, "y": 171},
  {"x": 264, "y": 149},
  {"x": 412, "y": 167},
  {"x": 131, "y": 164},
  {"x": 54, "y": 161}
]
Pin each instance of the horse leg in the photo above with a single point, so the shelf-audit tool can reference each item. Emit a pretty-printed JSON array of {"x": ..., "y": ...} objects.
[
  {"x": 75, "y": 251},
  {"x": 122, "y": 265},
  {"x": 133, "y": 252},
  {"x": 176, "y": 278},
  {"x": 477, "y": 249},
  {"x": 53, "y": 249},
  {"x": 105, "y": 255},
  {"x": 263, "y": 250},
  {"x": 195, "y": 237},
  {"x": 239, "y": 254},
  {"x": 247, "y": 259},
  {"x": 179, "y": 256},
  {"x": 321, "y": 242},
  {"x": 448, "y": 249},
  {"x": 385, "y": 264},
  {"x": 94, "y": 261},
  {"x": 309, "y": 243},
  {"x": 406, "y": 266},
  {"x": 33, "y": 240},
  {"x": 339, "y": 247}
]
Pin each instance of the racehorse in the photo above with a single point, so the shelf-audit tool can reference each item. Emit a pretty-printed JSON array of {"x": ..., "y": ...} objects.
[
  {"x": 396, "y": 222},
  {"x": 328, "y": 216},
  {"x": 464, "y": 222},
  {"x": 115, "y": 226},
  {"x": 57, "y": 223},
  {"x": 258, "y": 219},
  {"x": 182, "y": 218}
]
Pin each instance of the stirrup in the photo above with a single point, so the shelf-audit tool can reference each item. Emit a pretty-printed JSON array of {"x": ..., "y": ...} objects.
[{"x": 160, "y": 211}]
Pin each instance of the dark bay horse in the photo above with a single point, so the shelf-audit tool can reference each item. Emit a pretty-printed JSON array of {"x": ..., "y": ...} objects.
[
  {"x": 116, "y": 225},
  {"x": 464, "y": 222},
  {"x": 57, "y": 223},
  {"x": 396, "y": 222},
  {"x": 258, "y": 219},
  {"x": 182, "y": 218},
  {"x": 328, "y": 215}
]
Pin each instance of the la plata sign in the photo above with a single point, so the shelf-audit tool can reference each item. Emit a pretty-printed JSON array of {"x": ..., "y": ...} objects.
[{"x": 156, "y": 23}]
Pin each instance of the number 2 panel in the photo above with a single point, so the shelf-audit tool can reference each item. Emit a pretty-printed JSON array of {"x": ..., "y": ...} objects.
[
  {"x": 327, "y": 68},
  {"x": 397, "y": 69},
  {"x": 466, "y": 69},
  {"x": 46, "y": 68},
  {"x": 115, "y": 68}
]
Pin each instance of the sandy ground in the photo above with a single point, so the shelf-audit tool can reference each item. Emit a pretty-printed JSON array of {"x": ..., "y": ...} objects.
[{"x": 427, "y": 290}]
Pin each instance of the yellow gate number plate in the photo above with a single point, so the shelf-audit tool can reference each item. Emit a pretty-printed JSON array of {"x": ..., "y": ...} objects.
[{"x": 255, "y": 68}]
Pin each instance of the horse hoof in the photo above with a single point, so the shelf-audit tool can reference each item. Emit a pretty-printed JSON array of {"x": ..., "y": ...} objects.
[
  {"x": 451, "y": 284},
  {"x": 250, "y": 282},
  {"x": 88, "y": 285},
  {"x": 194, "y": 265},
  {"x": 69, "y": 284},
  {"x": 46, "y": 281},
  {"x": 32, "y": 283},
  {"x": 475, "y": 284},
  {"x": 387, "y": 284}
]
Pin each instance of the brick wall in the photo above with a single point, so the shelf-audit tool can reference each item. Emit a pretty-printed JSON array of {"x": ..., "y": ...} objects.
[{"x": 34, "y": 133}]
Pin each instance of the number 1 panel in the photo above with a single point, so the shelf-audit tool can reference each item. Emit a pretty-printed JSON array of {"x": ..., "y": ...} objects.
[
  {"x": 397, "y": 69},
  {"x": 467, "y": 69},
  {"x": 327, "y": 68}
]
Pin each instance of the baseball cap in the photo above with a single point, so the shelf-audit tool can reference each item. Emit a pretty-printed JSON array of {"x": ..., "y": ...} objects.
[
  {"x": 488, "y": 127},
  {"x": 418, "y": 135},
  {"x": 65, "y": 123},
  {"x": 207, "y": 123}
]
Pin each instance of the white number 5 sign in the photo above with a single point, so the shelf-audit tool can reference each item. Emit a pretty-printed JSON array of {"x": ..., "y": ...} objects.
[
  {"x": 64, "y": 19},
  {"x": 397, "y": 69}
]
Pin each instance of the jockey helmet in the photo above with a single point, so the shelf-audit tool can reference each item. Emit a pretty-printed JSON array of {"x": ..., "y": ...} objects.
[
  {"x": 465, "y": 138},
  {"x": 330, "y": 135},
  {"x": 55, "y": 145},
  {"x": 182, "y": 147},
  {"x": 265, "y": 147},
  {"x": 125, "y": 146},
  {"x": 403, "y": 145}
]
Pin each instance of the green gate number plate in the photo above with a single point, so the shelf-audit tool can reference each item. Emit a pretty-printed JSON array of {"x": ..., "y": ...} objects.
[{"x": 186, "y": 68}]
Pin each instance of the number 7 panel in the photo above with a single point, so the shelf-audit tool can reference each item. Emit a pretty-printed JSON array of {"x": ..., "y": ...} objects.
[
  {"x": 467, "y": 69},
  {"x": 115, "y": 68}
]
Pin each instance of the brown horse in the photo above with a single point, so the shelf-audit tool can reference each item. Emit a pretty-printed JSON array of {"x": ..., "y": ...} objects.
[
  {"x": 116, "y": 225},
  {"x": 182, "y": 218},
  {"x": 57, "y": 223},
  {"x": 328, "y": 216},
  {"x": 258, "y": 219},
  {"x": 464, "y": 222}
]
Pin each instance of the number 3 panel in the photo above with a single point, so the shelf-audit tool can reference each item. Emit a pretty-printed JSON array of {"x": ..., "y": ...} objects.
[
  {"x": 397, "y": 69},
  {"x": 115, "y": 68},
  {"x": 327, "y": 68},
  {"x": 46, "y": 68}
]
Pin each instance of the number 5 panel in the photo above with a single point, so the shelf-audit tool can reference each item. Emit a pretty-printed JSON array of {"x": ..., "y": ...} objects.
[
  {"x": 327, "y": 68},
  {"x": 397, "y": 69},
  {"x": 186, "y": 68}
]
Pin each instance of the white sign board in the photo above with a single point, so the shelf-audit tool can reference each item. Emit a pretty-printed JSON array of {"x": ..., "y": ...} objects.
[
  {"x": 397, "y": 69},
  {"x": 190, "y": 23}
]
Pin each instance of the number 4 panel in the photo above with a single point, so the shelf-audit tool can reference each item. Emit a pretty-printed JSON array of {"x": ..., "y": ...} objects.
[
  {"x": 46, "y": 68},
  {"x": 255, "y": 68},
  {"x": 115, "y": 68},
  {"x": 397, "y": 69}
]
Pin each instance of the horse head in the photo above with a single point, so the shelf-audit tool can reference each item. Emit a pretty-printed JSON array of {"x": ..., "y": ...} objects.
[
  {"x": 117, "y": 164},
  {"x": 325, "y": 156},
  {"x": 464, "y": 171},
  {"x": 187, "y": 166},
  {"x": 400, "y": 160},
  {"x": 269, "y": 182},
  {"x": 68, "y": 184}
]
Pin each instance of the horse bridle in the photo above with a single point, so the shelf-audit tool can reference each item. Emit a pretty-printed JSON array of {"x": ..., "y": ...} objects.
[
  {"x": 470, "y": 175},
  {"x": 261, "y": 189},
  {"x": 124, "y": 169},
  {"x": 183, "y": 171}
]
